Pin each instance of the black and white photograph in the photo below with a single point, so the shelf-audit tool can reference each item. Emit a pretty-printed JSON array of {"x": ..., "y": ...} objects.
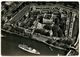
[{"x": 39, "y": 28}]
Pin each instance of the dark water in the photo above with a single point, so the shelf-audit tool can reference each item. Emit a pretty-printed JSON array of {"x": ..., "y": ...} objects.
[{"x": 9, "y": 46}]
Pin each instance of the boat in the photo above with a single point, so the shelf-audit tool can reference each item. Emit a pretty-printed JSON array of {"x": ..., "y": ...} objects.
[{"x": 28, "y": 49}]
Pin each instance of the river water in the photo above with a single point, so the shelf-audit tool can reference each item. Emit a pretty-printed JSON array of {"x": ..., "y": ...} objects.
[{"x": 9, "y": 46}]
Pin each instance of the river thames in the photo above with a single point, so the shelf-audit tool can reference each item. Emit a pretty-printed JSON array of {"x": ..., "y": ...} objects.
[{"x": 9, "y": 46}]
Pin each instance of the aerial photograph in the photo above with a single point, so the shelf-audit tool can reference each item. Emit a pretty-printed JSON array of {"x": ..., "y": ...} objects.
[{"x": 39, "y": 28}]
